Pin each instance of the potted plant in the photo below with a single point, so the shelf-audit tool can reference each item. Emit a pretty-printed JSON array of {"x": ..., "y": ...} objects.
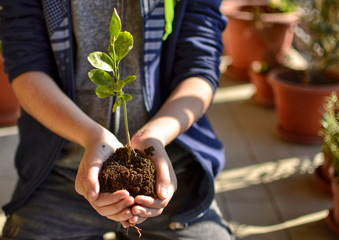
[
  {"x": 300, "y": 95},
  {"x": 329, "y": 134},
  {"x": 126, "y": 168},
  {"x": 263, "y": 95},
  {"x": 9, "y": 105},
  {"x": 330, "y": 148},
  {"x": 257, "y": 30}
]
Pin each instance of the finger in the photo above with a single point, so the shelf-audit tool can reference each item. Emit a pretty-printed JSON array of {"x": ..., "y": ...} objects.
[
  {"x": 116, "y": 208},
  {"x": 165, "y": 179},
  {"x": 105, "y": 199},
  {"x": 136, "y": 220},
  {"x": 91, "y": 182},
  {"x": 122, "y": 216},
  {"x": 146, "y": 212},
  {"x": 150, "y": 202},
  {"x": 125, "y": 224},
  {"x": 79, "y": 188}
]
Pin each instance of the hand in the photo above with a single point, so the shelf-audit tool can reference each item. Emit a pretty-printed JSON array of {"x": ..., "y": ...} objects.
[
  {"x": 166, "y": 182},
  {"x": 114, "y": 206}
]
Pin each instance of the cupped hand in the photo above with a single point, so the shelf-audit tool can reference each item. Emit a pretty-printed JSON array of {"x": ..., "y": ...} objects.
[
  {"x": 115, "y": 206},
  {"x": 166, "y": 182}
]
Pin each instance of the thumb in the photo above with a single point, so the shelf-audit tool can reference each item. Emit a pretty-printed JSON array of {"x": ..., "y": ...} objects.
[
  {"x": 166, "y": 182},
  {"x": 86, "y": 182},
  {"x": 91, "y": 182}
]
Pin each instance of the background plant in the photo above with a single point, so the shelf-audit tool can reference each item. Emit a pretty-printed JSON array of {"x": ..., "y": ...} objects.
[
  {"x": 112, "y": 85},
  {"x": 330, "y": 131},
  {"x": 317, "y": 36},
  {"x": 284, "y": 6}
]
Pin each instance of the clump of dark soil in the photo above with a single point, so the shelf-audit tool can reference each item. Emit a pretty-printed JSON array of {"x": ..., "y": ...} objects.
[{"x": 136, "y": 175}]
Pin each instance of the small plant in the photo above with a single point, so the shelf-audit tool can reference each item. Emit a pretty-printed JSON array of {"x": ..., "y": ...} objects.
[
  {"x": 284, "y": 6},
  {"x": 330, "y": 131},
  {"x": 317, "y": 37},
  {"x": 271, "y": 6},
  {"x": 128, "y": 168},
  {"x": 112, "y": 86},
  {"x": 260, "y": 67}
]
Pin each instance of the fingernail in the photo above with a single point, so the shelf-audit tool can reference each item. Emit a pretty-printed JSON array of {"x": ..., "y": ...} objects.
[
  {"x": 91, "y": 196},
  {"x": 163, "y": 192},
  {"x": 128, "y": 215}
]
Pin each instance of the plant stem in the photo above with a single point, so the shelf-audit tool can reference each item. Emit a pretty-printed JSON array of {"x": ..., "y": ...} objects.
[{"x": 127, "y": 132}]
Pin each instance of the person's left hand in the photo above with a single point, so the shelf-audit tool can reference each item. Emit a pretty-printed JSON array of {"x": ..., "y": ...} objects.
[{"x": 166, "y": 181}]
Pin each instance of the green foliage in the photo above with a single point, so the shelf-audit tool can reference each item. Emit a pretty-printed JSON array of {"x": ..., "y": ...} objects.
[
  {"x": 260, "y": 67},
  {"x": 120, "y": 44},
  {"x": 284, "y": 6},
  {"x": 330, "y": 131},
  {"x": 317, "y": 37}
]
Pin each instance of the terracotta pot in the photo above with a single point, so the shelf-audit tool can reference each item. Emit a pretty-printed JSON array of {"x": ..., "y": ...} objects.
[
  {"x": 333, "y": 216},
  {"x": 263, "y": 95},
  {"x": 322, "y": 174},
  {"x": 299, "y": 107},
  {"x": 246, "y": 42},
  {"x": 9, "y": 106}
]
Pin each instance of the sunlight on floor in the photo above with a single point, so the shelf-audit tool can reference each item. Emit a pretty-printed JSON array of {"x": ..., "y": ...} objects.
[
  {"x": 2, "y": 220},
  {"x": 266, "y": 172},
  {"x": 244, "y": 91},
  {"x": 243, "y": 230},
  {"x": 8, "y": 131},
  {"x": 234, "y": 93}
]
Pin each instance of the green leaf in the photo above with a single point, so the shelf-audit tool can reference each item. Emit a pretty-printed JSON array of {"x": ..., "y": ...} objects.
[
  {"x": 101, "y": 77},
  {"x": 118, "y": 85},
  {"x": 104, "y": 92},
  {"x": 129, "y": 79},
  {"x": 126, "y": 97},
  {"x": 115, "y": 26},
  {"x": 101, "y": 61},
  {"x": 116, "y": 105},
  {"x": 123, "y": 45}
]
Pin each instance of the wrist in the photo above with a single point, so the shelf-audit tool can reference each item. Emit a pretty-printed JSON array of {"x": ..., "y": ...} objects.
[
  {"x": 148, "y": 134},
  {"x": 98, "y": 135}
]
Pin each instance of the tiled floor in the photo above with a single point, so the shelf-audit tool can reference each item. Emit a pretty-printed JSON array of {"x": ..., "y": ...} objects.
[
  {"x": 267, "y": 190},
  {"x": 8, "y": 143}
]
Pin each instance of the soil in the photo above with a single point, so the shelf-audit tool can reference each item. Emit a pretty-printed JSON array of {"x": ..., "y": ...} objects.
[{"x": 136, "y": 175}]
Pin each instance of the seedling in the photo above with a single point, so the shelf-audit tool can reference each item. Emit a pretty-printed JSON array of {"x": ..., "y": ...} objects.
[
  {"x": 134, "y": 172},
  {"x": 112, "y": 85}
]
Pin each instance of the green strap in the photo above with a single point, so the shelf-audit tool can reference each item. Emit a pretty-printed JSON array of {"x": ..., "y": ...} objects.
[{"x": 169, "y": 16}]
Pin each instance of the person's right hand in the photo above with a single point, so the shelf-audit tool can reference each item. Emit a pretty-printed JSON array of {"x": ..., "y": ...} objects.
[
  {"x": 42, "y": 98},
  {"x": 114, "y": 206}
]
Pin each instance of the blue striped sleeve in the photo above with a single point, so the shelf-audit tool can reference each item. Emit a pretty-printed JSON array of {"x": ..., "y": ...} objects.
[{"x": 24, "y": 37}]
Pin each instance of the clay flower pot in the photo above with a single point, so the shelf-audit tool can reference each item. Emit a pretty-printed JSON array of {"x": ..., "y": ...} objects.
[
  {"x": 9, "y": 106},
  {"x": 247, "y": 39},
  {"x": 299, "y": 107},
  {"x": 332, "y": 219},
  {"x": 263, "y": 95},
  {"x": 322, "y": 174}
]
